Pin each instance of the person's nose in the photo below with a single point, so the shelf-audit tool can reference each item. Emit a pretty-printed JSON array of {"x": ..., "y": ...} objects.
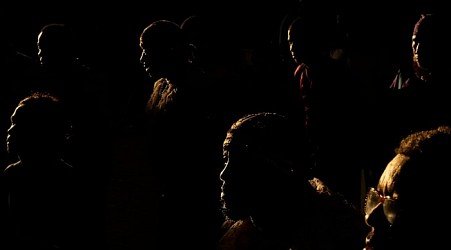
[
  {"x": 223, "y": 173},
  {"x": 11, "y": 129}
]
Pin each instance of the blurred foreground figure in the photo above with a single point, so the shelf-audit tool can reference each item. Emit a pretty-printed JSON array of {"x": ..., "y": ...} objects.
[
  {"x": 271, "y": 201},
  {"x": 398, "y": 218}
]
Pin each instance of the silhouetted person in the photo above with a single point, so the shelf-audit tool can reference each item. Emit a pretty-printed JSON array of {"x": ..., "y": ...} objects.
[
  {"x": 84, "y": 93},
  {"x": 427, "y": 92},
  {"x": 218, "y": 54},
  {"x": 422, "y": 101},
  {"x": 196, "y": 32},
  {"x": 63, "y": 72},
  {"x": 328, "y": 98},
  {"x": 394, "y": 212},
  {"x": 19, "y": 71},
  {"x": 182, "y": 137},
  {"x": 42, "y": 204},
  {"x": 270, "y": 198}
]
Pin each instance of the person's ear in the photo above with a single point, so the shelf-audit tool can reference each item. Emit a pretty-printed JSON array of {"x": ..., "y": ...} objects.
[{"x": 192, "y": 53}]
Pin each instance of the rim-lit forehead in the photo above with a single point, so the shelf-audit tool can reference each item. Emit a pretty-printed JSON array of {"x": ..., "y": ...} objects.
[
  {"x": 430, "y": 27},
  {"x": 227, "y": 140},
  {"x": 232, "y": 133},
  {"x": 19, "y": 111},
  {"x": 40, "y": 37},
  {"x": 232, "y": 142},
  {"x": 387, "y": 181}
]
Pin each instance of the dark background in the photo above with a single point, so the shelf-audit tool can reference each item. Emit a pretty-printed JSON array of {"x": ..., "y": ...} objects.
[
  {"x": 118, "y": 22},
  {"x": 111, "y": 28},
  {"x": 380, "y": 30},
  {"x": 380, "y": 33}
]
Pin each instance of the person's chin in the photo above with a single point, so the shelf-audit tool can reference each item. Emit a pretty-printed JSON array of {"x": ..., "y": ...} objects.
[
  {"x": 232, "y": 212},
  {"x": 149, "y": 72},
  {"x": 235, "y": 215}
]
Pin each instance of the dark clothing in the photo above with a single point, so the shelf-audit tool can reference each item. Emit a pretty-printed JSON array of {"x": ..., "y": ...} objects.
[
  {"x": 42, "y": 208},
  {"x": 332, "y": 224},
  {"x": 411, "y": 104},
  {"x": 84, "y": 93},
  {"x": 331, "y": 109},
  {"x": 185, "y": 155},
  {"x": 19, "y": 75}
]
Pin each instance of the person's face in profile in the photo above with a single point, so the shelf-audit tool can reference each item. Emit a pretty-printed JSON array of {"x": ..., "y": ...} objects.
[
  {"x": 428, "y": 44},
  {"x": 152, "y": 59},
  {"x": 422, "y": 51},
  {"x": 52, "y": 52},
  {"x": 33, "y": 132},
  {"x": 145, "y": 59},
  {"x": 157, "y": 58},
  {"x": 394, "y": 214},
  {"x": 41, "y": 49},
  {"x": 237, "y": 180},
  {"x": 302, "y": 48},
  {"x": 21, "y": 135},
  {"x": 252, "y": 178},
  {"x": 294, "y": 46}
]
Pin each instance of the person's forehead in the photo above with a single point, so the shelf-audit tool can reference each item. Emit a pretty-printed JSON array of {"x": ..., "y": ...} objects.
[
  {"x": 398, "y": 160},
  {"x": 429, "y": 25},
  {"x": 391, "y": 171},
  {"x": 394, "y": 166},
  {"x": 19, "y": 110},
  {"x": 230, "y": 143}
]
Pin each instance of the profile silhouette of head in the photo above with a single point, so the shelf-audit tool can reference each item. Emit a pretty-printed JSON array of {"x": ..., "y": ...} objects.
[
  {"x": 165, "y": 49},
  {"x": 57, "y": 45},
  {"x": 38, "y": 127},
  {"x": 430, "y": 47}
]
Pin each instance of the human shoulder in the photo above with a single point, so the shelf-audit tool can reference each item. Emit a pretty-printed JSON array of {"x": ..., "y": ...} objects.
[
  {"x": 330, "y": 196},
  {"x": 163, "y": 87},
  {"x": 11, "y": 173},
  {"x": 62, "y": 165},
  {"x": 319, "y": 185},
  {"x": 239, "y": 234},
  {"x": 161, "y": 84},
  {"x": 12, "y": 169},
  {"x": 337, "y": 216}
]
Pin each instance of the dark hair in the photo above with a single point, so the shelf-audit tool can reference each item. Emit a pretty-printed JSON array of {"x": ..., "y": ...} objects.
[
  {"x": 274, "y": 134},
  {"x": 45, "y": 112},
  {"x": 163, "y": 34},
  {"x": 429, "y": 153},
  {"x": 428, "y": 143},
  {"x": 58, "y": 35}
]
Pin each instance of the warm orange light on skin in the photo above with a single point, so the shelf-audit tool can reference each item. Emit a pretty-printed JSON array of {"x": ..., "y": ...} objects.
[{"x": 415, "y": 46}]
